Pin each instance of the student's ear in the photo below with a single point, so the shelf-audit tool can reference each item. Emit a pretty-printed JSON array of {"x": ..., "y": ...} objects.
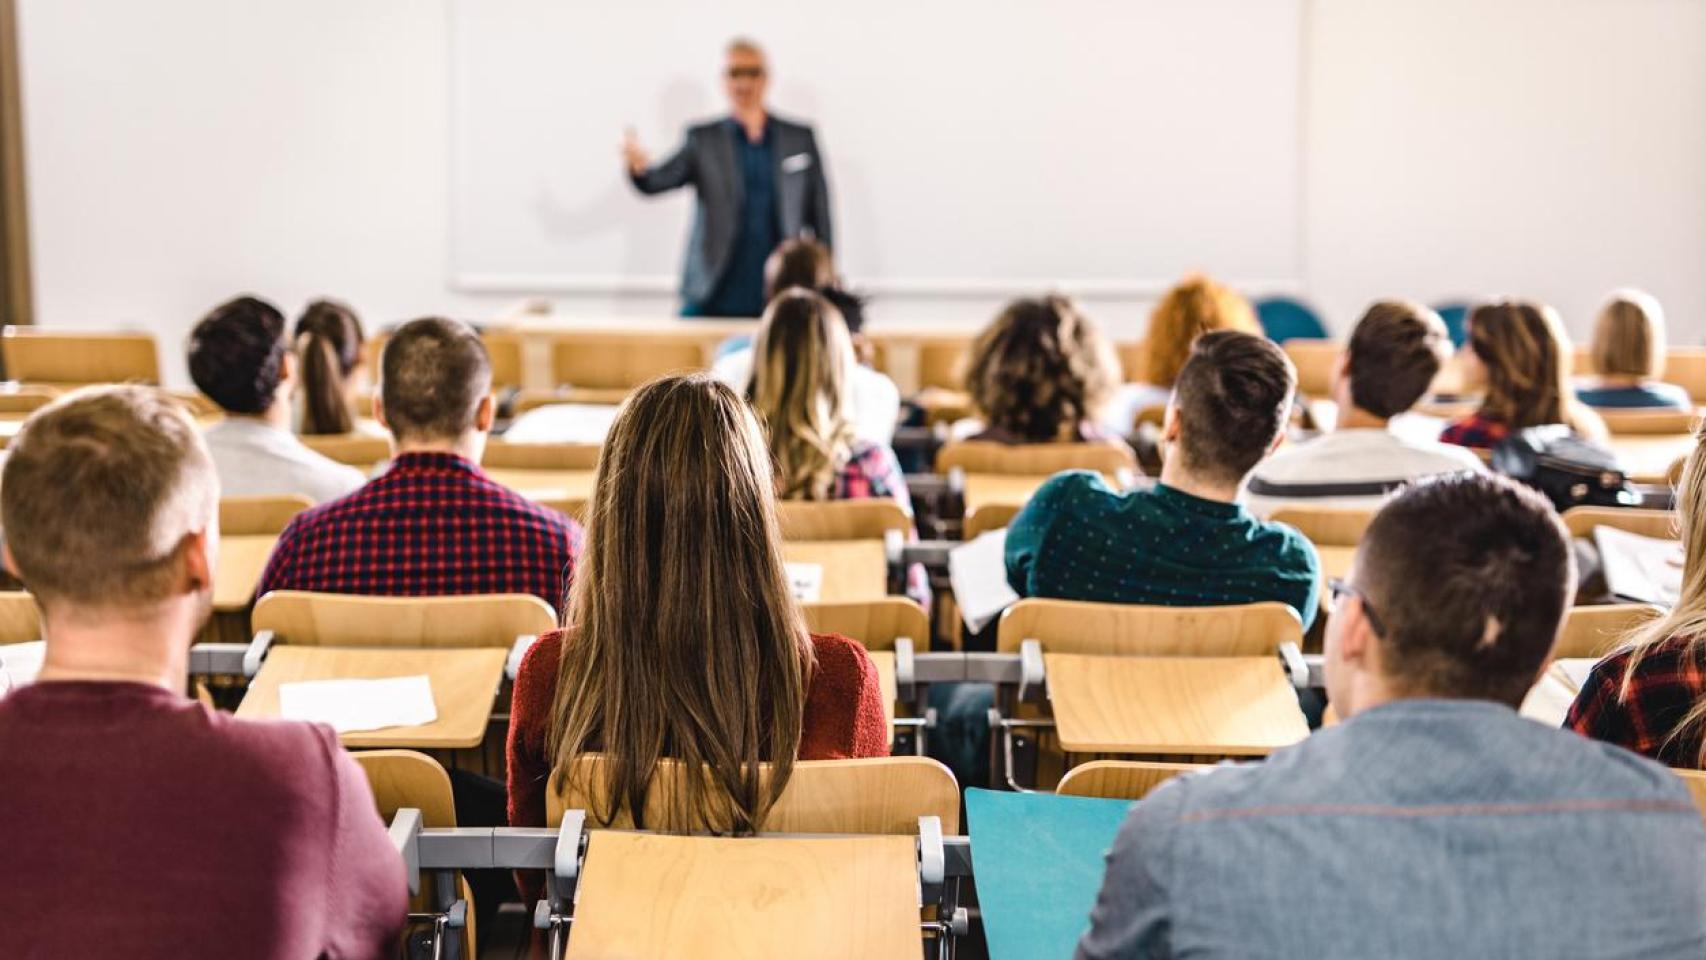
[
  {"x": 487, "y": 414},
  {"x": 1170, "y": 424},
  {"x": 379, "y": 411},
  {"x": 8, "y": 562},
  {"x": 198, "y": 560},
  {"x": 1341, "y": 378},
  {"x": 287, "y": 369}
]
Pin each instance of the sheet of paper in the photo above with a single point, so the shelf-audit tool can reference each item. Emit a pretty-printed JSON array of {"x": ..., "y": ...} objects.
[
  {"x": 978, "y": 572},
  {"x": 563, "y": 423},
  {"x": 1642, "y": 569},
  {"x": 349, "y": 706},
  {"x": 806, "y": 580},
  {"x": 1575, "y": 671},
  {"x": 19, "y": 664}
]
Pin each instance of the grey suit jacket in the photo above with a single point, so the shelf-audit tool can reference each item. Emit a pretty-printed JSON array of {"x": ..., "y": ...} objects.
[{"x": 707, "y": 160}]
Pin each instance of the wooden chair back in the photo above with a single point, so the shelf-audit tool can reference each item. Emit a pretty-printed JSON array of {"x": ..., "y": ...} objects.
[
  {"x": 1594, "y": 631},
  {"x": 989, "y": 517},
  {"x": 1043, "y": 459},
  {"x": 259, "y": 516},
  {"x": 24, "y": 401},
  {"x": 609, "y": 360},
  {"x": 338, "y": 620},
  {"x": 1696, "y": 783},
  {"x": 1125, "y": 629},
  {"x": 1328, "y": 526},
  {"x": 362, "y": 450},
  {"x": 875, "y": 623},
  {"x": 1659, "y": 524},
  {"x": 1314, "y": 360},
  {"x": 1133, "y": 358},
  {"x": 1646, "y": 423},
  {"x": 869, "y": 519},
  {"x": 74, "y": 358},
  {"x": 1121, "y": 779},
  {"x": 939, "y": 359},
  {"x": 882, "y": 795},
  {"x": 405, "y": 778},
  {"x": 540, "y": 456},
  {"x": 20, "y": 618},
  {"x": 1686, "y": 367}
]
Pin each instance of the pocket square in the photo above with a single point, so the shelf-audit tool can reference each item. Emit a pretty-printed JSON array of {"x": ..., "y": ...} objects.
[{"x": 796, "y": 163}]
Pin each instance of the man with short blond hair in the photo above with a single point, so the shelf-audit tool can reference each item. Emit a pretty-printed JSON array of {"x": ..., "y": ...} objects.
[{"x": 133, "y": 815}]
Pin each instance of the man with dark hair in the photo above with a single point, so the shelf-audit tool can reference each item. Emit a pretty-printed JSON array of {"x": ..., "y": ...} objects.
[
  {"x": 1393, "y": 356},
  {"x": 1188, "y": 541},
  {"x": 195, "y": 833},
  {"x": 433, "y": 523},
  {"x": 1434, "y": 820},
  {"x": 239, "y": 358}
]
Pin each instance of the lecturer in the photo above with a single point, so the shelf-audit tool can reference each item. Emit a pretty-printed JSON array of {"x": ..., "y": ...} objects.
[{"x": 759, "y": 180}]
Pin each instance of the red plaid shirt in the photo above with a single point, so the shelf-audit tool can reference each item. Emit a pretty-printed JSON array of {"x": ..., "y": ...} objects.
[
  {"x": 1478, "y": 431},
  {"x": 432, "y": 524},
  {"x": 1669, "y": 681},
  {"x": 873, "y": 471}
]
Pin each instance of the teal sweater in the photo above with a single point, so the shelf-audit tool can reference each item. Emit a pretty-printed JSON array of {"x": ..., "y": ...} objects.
[{"x": 1079, "y": 540}]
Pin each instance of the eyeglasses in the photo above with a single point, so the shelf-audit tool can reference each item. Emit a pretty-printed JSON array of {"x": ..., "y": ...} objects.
[
  {"x": 745, "y": 73},
  {"x": 1337, "y": 588}
]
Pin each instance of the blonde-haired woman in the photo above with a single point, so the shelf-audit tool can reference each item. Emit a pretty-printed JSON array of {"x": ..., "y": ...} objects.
[
  {"x": 1519, "y": 355},
  {"x": 1041, "y": 372},
  {"x": 1650, "y": 695},
  {"x": 1629, "y": 357},
  {"x": 681, "y": 639},
  {"x": 801, "y": 392}
]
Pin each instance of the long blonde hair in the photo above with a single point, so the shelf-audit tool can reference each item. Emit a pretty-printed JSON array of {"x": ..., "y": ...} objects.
[
  {"x": 800, "y": 388},
  {"x": 682, "y": 638},
  {"x": 1686, "y": 621},
  {"x": 1523, "y": 347}
]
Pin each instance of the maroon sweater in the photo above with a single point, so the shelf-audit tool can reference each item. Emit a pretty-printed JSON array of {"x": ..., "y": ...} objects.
[
  {"x": 137, "y": 822},
  {"x": 843, "y": 716}
]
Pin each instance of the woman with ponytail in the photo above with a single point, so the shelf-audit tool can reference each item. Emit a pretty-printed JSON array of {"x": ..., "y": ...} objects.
[{"x": 329, "y": 344}]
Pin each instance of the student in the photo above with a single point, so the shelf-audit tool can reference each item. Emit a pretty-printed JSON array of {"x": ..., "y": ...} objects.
[
  {"x": 1194, "y": 306},
  {"x": 684, "y": 568},
  {"x": 134, "y": 819},
  {"x": 1649, "y": 696},
  {"x": 1188, "y": 541},
  {"x": 1041, "y": 372},
  {"x": 801, "y": 393},
  {"x": 238, "y": 356},
  {"x": 1394, "y": 353},
  {"x": 433, "y": 523},
  {"x": 329, "y": 341},
  {"x": 1629, "y": 356},
  {"x": 1518, "y": 352},
  {"x": 873, "y": 401},
  {"x": 1433, "y": 820}
]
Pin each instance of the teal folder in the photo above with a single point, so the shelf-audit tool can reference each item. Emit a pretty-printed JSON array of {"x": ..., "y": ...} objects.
[{"x": 1038, "y": 861}]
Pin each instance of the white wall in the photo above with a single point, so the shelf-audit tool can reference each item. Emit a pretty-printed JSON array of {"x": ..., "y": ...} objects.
[{"x": 182, "y": 151}]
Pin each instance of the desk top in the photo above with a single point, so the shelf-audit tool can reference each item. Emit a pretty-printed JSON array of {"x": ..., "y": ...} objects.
[
  {"x": 242, "y": 560},
  {"x": 464, "y": 684},
  {"x": 1549, "y": 701},
  {"x": 992, "y": 489},
  {"x": 852, "y": 569},
  {"x": 1648, "y": 459},
  {"x": 648, "y": 895},
  {"x": 1207, "y": 706},
  {"x": 546, "y": 484}
]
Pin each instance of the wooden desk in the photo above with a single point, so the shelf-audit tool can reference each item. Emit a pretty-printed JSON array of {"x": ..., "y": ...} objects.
[
  {"x": 1647, "y": 459},
  {"x": 649, "y": 895},
  {"x": 852, "y": 569},
  {"x": 884, "y": 661},
  {"x": 987, "y": 489},
  {"x": 1549, "y": 701},
  {"x": 242, "y": 560},
  {"x": 1203, "y": 706},
  {"x": 546, "y": 484},
  {"x": 464, "y": 684}
]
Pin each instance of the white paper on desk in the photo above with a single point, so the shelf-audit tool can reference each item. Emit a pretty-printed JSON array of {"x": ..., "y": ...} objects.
[
  {"x": 1642, "y": 569},
  {"x": 805, "y": 580},
  {"x": 19, "y": 664},
  {"x": 1576, "y": 670},
  {"x": 353, "y": 705},
  {"x": 978, "y": 572}
]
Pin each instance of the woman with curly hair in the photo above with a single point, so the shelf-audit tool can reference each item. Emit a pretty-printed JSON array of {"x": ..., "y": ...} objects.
[{"x": 1042, "y": 373}]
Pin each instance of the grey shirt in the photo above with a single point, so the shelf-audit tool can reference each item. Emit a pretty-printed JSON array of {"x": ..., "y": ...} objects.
[
  {"x": 1420, "y": 828},
  {"x": 255, "y": 459}
]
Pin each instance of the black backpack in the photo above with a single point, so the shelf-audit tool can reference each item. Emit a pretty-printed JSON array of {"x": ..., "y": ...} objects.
[{"x": 1570, "y": 471}]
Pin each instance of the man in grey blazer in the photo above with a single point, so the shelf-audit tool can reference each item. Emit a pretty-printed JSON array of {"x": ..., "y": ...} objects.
[{"x": 759, "y": 180}]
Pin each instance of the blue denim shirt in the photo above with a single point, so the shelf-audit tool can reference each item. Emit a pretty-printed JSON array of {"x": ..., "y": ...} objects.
[{"x": 1420, "y": 828}]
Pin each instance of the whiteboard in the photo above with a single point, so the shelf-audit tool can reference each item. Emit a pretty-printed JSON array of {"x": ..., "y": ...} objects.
[{"x": 973, "y": 147}]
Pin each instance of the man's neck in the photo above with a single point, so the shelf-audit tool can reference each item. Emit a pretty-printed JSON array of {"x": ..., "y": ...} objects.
[
  {"x": 752, "y": 121},
  {"x": 150, "y": 648},
  {"x": 1352, "y": 417},
  {"x": 276, "y": 416},
  {"x": 1175, "y": 475},
  {"x": 469, "y": 446}
]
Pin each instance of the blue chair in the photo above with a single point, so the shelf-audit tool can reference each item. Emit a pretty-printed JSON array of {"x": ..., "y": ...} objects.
[
  {"x": 1283, "y": 318},
  {"x": 1455, "y": 313}
]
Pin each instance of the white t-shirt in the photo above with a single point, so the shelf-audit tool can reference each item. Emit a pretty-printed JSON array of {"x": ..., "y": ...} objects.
[
  {"x": 254, "y": 459},
  {"x": 876, "y": 400},
  {"x": 1349, "y": 468}
]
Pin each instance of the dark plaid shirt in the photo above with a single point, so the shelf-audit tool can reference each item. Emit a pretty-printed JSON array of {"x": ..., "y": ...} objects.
[
  {"x": 432, "y": 524},
  {"x": 1478, "y": 431},
  {"x": 1667, "y": 684}
]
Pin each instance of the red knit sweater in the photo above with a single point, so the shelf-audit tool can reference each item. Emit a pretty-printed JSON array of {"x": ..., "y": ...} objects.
[{"x": 843, "y": 716}]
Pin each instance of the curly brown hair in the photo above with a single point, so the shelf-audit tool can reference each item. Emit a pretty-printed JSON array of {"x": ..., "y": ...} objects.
[{"x": 1040, "y": 370}]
